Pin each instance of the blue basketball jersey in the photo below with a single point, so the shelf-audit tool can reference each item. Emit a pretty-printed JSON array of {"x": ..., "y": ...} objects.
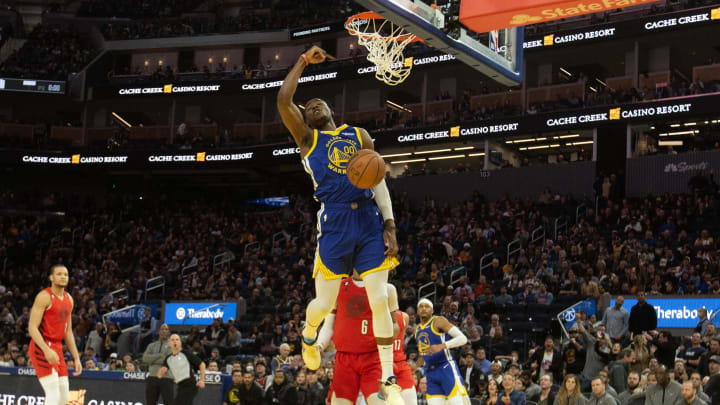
[
  {"x": 326, "y": 163},
  {"x": 426, "y": 336}
]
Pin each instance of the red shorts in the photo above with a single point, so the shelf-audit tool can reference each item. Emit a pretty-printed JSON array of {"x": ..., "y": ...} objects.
[
  {"x": 40, "y": 363},
  {"x": 404, "y": 375},
  {"x": 355, "y": 372}
]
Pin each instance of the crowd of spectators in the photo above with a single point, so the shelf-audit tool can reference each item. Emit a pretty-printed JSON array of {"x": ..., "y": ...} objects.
[
  {"x": 51, "y": 52},
  {"x": 136, "y": 9},
  {"x": 653, "y": 246}
]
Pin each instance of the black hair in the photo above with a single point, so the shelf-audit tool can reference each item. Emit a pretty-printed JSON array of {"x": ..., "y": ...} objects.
[
  {"x": 239, "y": 371},
  {"x": 53, "y": 267},
  {"x": 246, "y": 371}
]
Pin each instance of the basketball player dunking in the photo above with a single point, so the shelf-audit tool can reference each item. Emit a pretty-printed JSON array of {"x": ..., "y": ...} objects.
[
  {"x": 356, "y": 228},
  {"x": 51, "y": 323}
]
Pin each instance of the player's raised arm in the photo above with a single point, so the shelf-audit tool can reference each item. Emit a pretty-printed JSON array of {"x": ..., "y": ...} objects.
[
  {"x": 291, "y": 115},
  {"x": 70, "y": 342},
  {"x": 42, "y": 302}
]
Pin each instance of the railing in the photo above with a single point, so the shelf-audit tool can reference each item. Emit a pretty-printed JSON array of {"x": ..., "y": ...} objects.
[
  {"x": 537, "y": 234},
  {"x": 560, "y": 222},
  {"x": 153, "y": 284},
  {"x": 131, "y": 328},
  {"x": 454, "y": 278},
  {"x": 189, "y": 270},
  {"x": 561, "y": 320},
  {"x": 513, "y": 247},
  {"x": 484, "y": 266},
  {"x": 582, "y": 208},
  {"x": 120, "y": 293},
  {"x": 427, "y": 287},
  {"x": 223, "y": 258},
  {"x": 251, "y": 247}
]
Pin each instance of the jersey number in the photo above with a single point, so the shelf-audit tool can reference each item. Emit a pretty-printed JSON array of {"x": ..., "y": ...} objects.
[
  {"x": 396, "y": 344},
  {"x": 363, "y": 327}
]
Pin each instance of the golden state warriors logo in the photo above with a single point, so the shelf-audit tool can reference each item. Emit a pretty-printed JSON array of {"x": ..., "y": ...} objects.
[
  {"x": 339, "y": 151},
  {"x": 423, "y": 340}
]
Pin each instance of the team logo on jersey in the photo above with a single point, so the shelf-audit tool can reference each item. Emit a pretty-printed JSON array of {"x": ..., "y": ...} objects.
[
  {"x": 339, "y": 151},
  {"x": 356, "y": 306},
  {"x": 423, "y": 340}
]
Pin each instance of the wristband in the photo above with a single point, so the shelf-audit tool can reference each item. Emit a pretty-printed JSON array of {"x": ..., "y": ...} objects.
[{"x": 305, "y": 59}]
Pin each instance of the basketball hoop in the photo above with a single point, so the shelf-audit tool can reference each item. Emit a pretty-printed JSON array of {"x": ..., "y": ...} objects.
[{"x": 385, "y": 43}]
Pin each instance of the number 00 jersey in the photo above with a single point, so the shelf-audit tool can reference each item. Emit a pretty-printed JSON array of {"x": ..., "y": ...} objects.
[
  {"x": 353, "y": 320},
  {"x": 326, "y": 163}
]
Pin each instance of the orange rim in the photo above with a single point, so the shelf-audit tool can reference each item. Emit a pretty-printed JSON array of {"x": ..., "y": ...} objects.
[{"x": 371, "y": 15}]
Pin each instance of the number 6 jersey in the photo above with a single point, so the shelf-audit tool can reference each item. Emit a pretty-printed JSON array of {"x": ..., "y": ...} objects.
[{"x": 353, "y": 331}]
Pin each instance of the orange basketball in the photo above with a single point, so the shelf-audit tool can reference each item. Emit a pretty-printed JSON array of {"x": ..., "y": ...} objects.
[{"x": 366, "y": 169}]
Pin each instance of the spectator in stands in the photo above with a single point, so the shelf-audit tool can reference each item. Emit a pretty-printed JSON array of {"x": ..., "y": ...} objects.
[
  {"x": 642, "y": 316},
  {"x": 482, "y": 362},
  {"x": 696, "y": 379},
  {"x": 546, "y": 396},
  {"x": 281, "y": 361},
  {"x": 301, "y": 387},
  {"x": 317, "y": 392},
  {"x": 597, "y": 349},
  {"x": 641, "y": 353},
  {"x": 547, "y": 361},
  {"x": 148, "y": 327},
  {"x": 633, "y": 387},
  {"x": 693, "y": 353},
  {"x": 704, "y": 365},
  {"x": 261, "y": 378},
  {"x": 573, "y": 352},
  {"x": 616, "y": 320},
  {"x": 232, "y": 395},
  {"x": 703, "y": 321},
  {"x": 663, "y": 349},
  {"x": 281, "y": 391},
  {"x": 96, "y": 338},
  {"x": 250, "y": 392},
  {"x": 712, "y": 383},
  {"x": 619, "y": 369},
  {"x": 689, "y": 395},
  {"x": 509, "y": 395},
  {"x": 599, "y": 396},
  {"x": 665, "y": 392},
  {"x": 213, "y": 366},
  {"x": 680, "y": 372},
  {"x": 569, "y": 393},
  {"x": 216, "y": 357},
  {"x": 469, "y": 371},
  {"x": 422, "y": 392},
  {"x": 530, "y": 389}
]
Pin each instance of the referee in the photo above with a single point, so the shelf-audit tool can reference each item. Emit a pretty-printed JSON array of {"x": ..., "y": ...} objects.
[{"x": 183, "y": 365}]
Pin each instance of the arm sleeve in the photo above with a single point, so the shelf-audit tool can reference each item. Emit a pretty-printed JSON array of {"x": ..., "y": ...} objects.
[
  {"x": 458, "y": 338},
  {"x": 382, "y": 199},
  {"x": 149, "y": 357},
  {"x": 326, "y": 332},
  {"x": 626, "y": 324}
]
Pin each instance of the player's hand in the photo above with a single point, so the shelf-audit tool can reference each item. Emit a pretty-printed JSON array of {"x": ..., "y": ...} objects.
[
  {"x": 200, "y": 384},
  {"x": 78, "y": 368},
  {"x": 52, "y": 357},
  {"x": 435, "y": 348},
  {"x": 390, "y": 239},
  {"x": 317, "y": 55}
]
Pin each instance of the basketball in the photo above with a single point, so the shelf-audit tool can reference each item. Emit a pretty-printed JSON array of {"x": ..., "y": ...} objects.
[{"x": 366, "y": 169}]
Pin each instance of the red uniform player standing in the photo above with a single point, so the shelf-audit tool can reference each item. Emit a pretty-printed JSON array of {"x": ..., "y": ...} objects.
[
  {"x": 401, "y": 369},
  {"x": 357, "y": 368},
  {"x": 51, "y": 323}
]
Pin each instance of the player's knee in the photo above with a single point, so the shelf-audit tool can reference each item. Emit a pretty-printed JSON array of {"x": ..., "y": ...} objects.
[
  {"x": 378, "y": 301},
  {"x": 51, "y": 386}
]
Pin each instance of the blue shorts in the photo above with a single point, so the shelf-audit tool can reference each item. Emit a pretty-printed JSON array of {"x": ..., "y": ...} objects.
[
  {"x": 350, "y": 237},
  {"x": 444, "y": 380}
]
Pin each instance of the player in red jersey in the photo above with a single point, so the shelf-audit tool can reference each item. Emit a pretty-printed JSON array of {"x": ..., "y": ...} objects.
[
  {"x": 51, "y": 323},
  {"x": 357, "y": 368},
  {"x": 400, "y": 367}
]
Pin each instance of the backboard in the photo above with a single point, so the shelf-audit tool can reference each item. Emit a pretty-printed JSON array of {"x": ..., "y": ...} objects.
[{"x": 498, "y": 54}]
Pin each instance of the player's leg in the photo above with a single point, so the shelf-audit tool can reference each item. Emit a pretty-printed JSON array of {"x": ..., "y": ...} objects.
[
  {"x": 346, "y": 383},
  {"x": 64, "y": 390},
  {"x": 326, "y": 292},
  {"x": 409, "y": 396},
  {"x": 381, "y": 320},
  {"x": 436, "y": 401},
  {"x": 51, "y": 386}
]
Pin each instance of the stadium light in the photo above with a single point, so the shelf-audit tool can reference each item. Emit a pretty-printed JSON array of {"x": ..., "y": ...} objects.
[
  {"x": 425, "y": 152},
  {"x": 397, "y": 162}
]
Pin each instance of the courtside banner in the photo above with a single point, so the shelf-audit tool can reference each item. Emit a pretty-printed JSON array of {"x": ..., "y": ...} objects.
[
  {"x": 485, "y": 16},
  {"x": 198, "y": 313},
  {"x": 19, "y": 386},
  {"x": 675, "y": 313}
]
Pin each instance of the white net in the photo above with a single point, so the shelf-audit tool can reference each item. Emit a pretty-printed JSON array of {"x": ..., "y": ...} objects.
[{"x": 385, "y": 43}]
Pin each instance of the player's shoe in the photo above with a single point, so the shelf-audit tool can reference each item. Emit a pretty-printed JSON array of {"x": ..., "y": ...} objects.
[
  {"x": 311, "y": 354},
  {"x": 390, "y": 392}
]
